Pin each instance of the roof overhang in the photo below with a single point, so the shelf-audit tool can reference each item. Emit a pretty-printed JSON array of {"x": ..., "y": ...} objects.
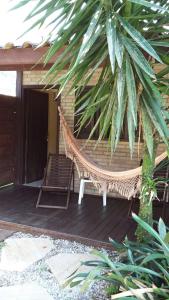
[{"x": 20, "y": 59}]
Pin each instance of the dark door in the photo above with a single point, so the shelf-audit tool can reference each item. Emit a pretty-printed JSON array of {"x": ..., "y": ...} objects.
[
  {"x": 7, "y": 139},
  {"x": 36, "y": 108}
]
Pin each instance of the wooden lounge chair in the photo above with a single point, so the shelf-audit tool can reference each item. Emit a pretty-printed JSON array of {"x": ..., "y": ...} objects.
[{"x": 58, "y": 177}]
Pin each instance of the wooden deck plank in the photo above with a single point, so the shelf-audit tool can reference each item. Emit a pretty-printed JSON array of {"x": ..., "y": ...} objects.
[
  {"x": 89, "y": 221},
  {"x": 117, "y": 214}
]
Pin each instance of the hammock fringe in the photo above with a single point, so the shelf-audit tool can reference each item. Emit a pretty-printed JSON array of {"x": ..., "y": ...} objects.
[{"x": 126, "y": 183}]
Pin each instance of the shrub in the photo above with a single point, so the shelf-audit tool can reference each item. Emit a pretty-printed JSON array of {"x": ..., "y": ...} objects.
[{"x": 142, "y": 270}]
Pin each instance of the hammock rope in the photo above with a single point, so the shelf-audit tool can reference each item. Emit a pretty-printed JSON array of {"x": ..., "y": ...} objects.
[{"x": 126, "y": 183}]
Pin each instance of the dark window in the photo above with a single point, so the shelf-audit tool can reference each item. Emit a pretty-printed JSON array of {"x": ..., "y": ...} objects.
[
  {"x": 124, "y": 133},
  {"x": 87, "y": 128}
]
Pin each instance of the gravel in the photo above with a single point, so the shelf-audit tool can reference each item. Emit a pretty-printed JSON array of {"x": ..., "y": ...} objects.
[{"x": 40, "y": 273}]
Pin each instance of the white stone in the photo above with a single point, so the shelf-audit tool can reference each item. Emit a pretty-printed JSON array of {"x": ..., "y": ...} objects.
[
  {"x": 28, "y": 291},
  {"x": 63, "y": 265},
  {"x": 20, "y": 253}
]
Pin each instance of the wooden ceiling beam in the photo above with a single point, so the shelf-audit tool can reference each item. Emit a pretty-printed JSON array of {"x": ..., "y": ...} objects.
[{"x": 24, "y": 59}]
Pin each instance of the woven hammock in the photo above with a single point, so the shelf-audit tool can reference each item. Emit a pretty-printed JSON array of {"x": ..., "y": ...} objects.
[{"x": 126, "y": 183}]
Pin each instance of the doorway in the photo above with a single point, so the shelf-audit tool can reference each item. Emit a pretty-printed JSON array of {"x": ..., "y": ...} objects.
[
  {"x": 36, "y": 132},
  {"x": 7, "y": 139},
  {"x": 39, "y": 132}
]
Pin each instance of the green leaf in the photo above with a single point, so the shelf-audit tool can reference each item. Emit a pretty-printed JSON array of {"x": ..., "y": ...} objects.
[
  {"x": 160, "y": 43},
  {"x": 152, "y": 257},
  {"x": 89, "y": 279},
  {"x": 165, "y": 58},
  {"x": 131, "y": 129},
  {"x": 119, "y": 50},
  {"x": 122, "y": 100},
  {"x": 90, "y": 35},
  {"x": 153, "y": 106},
  {"x": 73, "y": 276},
  {"x": 107, "y": 260},
  {"x": 137, "y": 269},
  {"x": 116, "y": 245},
  {"x": 150, "y": 230},
  {"x": 147, "y": 129},
  {"x": 162, "y": 229},
  {"x": 108, "y": 114},
  {"x": 155, "y": 93},
  {"x": 130, "y": 256},
  {"x": 166, "y": 240},
  {"x": 113, "y": 131},
  {"x": 139, "y": 39},
  {"x": 111, "y": 40},
  {"x": 149, "y": 4},
  {"x": 137, "y": 56},
  {"x": 20, "y": 4},
  {"x": 162, "y": 269},
  {"x": 75, "y": 283},
  {"x": 40, "y": 9},
  {"x": 97, "y": 124},
  {"x": 164, "y": 72},
  {"x": 131, "y": 90},
  {"x": 154, "y": 110}
]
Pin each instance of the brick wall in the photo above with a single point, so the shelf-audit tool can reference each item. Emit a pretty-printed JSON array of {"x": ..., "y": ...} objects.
[{"x": 120, "y": 160}]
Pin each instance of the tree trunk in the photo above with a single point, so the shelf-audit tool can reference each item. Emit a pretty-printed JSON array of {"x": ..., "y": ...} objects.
[{"x": 146, "y": 194}]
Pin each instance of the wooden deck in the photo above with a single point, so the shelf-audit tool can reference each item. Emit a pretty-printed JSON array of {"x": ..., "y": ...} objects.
[{"x": 88, "y": 223}]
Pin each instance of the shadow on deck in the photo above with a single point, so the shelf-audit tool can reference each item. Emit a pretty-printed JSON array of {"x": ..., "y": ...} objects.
[{"x": 89, "y": 223}]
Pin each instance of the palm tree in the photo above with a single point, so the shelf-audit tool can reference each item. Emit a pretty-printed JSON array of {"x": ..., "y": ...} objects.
[{"x": 125, "y": 38}]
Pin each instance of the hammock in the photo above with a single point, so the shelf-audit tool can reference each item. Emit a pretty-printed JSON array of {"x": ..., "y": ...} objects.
[{"x": 126, "y": 183}]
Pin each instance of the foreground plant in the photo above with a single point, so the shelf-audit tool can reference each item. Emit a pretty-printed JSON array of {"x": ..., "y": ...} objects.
[{"x": 142, "y": 271}]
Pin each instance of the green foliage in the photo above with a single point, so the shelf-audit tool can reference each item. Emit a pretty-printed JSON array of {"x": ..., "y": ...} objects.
[
  {"x": 123, "y": 37},
  {"x": 142, "y": 271}
]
